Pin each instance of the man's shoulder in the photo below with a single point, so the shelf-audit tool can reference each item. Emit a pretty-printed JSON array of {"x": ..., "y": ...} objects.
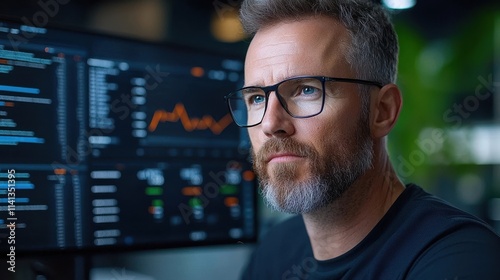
[
  {"x": 421, "y": 207},
  {"x": 419, "y": 232},
  {"x": 441, "y": 239}
]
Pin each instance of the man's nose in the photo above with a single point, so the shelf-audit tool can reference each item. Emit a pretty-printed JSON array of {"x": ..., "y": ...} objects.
[{"x": 276, "y": 121}]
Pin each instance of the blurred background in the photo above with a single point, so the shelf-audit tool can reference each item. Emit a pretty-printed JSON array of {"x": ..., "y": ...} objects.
[{"x": 447, "y": 139}]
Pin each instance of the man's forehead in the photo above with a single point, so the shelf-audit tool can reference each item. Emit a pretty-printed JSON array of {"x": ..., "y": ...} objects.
[
  {"x": 293, "y": 48},
  {"x": 308, "y": 37}
]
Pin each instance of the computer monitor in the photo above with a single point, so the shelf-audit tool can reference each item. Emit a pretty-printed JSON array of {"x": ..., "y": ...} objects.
[{"x": 112, "y": 143}]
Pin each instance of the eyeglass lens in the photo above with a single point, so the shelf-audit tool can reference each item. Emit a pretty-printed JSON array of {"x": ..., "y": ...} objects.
[{"x": 300, "y": 97}]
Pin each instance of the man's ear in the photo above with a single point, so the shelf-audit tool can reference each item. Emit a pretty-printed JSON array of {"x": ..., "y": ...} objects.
[{"x": 385, "y": 107}]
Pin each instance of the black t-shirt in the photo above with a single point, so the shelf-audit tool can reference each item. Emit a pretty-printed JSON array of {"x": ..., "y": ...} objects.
[{"x": 420, "y": 237}]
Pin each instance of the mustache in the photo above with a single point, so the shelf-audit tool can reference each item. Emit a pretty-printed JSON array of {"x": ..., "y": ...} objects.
[{"x": 276, "y": 145}]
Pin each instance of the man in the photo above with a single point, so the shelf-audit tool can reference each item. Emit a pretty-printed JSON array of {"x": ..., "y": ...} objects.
[{"x": 319, "y": 100}]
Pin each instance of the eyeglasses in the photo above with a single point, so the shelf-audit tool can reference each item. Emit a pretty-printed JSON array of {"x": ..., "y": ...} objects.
[{"x": 301, "y": 97}]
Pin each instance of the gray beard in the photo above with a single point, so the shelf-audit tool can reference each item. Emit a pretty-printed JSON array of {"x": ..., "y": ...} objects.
[{"x": 331, "y": 174}]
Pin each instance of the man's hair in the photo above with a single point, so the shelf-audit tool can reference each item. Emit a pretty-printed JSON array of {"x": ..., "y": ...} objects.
[{"x": 373, "y": 53}]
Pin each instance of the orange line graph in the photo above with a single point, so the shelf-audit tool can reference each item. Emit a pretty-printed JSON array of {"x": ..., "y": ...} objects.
[{"x": 179, "y": 113}]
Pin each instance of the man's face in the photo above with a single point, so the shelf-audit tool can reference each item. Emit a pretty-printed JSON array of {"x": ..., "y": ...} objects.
[{"x": 305, "y": 164}]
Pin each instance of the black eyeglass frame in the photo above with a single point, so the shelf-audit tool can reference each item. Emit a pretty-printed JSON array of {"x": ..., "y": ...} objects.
[{"x": 268, "y": 89}]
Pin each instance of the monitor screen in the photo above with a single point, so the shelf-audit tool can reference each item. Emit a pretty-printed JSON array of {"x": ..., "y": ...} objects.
[{"x": 110, "y": 143}]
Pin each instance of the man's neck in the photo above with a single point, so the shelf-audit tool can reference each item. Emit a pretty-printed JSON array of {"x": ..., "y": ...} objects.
[{"x": 338, "y": 227}]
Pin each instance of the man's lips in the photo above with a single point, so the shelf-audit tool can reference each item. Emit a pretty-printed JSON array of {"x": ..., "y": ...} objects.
[{"x": 282, "y": 157}]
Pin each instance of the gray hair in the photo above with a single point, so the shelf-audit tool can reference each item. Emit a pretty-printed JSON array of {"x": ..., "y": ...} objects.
[{"x": 374, "y": 47}]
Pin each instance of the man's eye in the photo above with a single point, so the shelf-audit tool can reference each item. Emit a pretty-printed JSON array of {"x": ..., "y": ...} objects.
[
  {"x": 257, "y": 99},
  {"x": 308, "y": 90}
]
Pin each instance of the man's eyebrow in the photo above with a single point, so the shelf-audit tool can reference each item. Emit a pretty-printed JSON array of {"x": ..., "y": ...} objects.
[
  {"x": 251, "y": 89},
  {"x": 253, "y": 85},
  {"x": 283, "y": 79}
]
